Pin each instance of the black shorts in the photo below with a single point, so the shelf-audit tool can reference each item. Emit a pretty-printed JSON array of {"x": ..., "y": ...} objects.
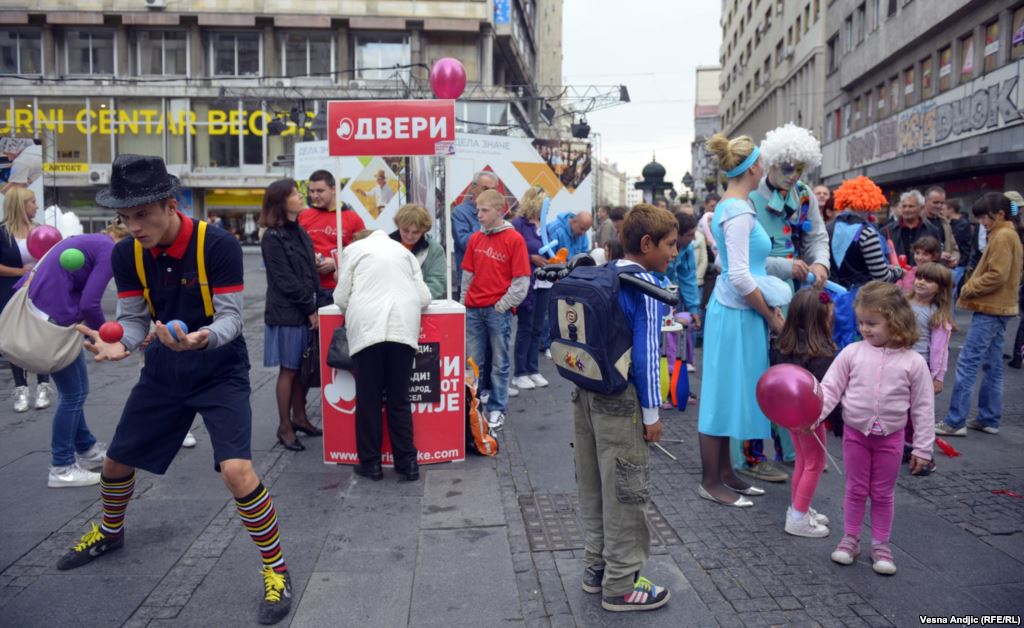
[{"x": 172, "y": 389}]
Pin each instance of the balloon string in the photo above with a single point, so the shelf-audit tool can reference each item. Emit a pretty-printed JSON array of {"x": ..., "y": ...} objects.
[{"x": 825, "y": 449}]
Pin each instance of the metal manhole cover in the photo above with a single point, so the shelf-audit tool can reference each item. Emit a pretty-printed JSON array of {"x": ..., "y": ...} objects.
[{"x": 552, "y": 523}]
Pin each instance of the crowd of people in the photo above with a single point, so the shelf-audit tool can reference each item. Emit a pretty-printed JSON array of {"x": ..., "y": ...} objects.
[{"x": 773, "y": 271}]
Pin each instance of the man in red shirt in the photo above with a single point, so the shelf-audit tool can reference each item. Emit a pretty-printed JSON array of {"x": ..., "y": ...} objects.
[
  {"x": 320, "y": 223},
  {"x": 495, "y": 279}
]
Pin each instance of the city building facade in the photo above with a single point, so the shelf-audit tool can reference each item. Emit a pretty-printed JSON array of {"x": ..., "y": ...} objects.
[
  {"x": 223, "y": 90},
  {"x": 609, "y": 184},
  {"x": 706, "y": 123},
  {"x": 922, "y": 93},
  {"x": 773, "y": 66}
]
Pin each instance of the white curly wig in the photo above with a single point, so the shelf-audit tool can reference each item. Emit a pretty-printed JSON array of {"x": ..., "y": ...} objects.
[{"x": 793, "y": 144}]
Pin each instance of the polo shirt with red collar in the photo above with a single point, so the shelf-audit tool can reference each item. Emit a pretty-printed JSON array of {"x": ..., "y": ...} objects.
[{"x": 172, "y": 273}]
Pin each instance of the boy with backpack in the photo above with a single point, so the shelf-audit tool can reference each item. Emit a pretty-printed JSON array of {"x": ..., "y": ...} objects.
[
  {"x": 495, "y": 279},
  {"x": 606, "y": 340}
]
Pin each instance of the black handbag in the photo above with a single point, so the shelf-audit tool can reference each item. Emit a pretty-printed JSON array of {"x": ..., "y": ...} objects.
[
  {"x": 337, "y": 353},
  {"x": 309, "y": 371}
]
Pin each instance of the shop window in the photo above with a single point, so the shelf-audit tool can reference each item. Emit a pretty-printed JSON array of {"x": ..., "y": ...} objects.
[
  {"x": 214, "y": 145},
  {"x": 140, "y": 126},
  {"x": 908, "y": 87},
  {"x": 177, "y": 143},
  {"x": 1017, "y": 38},
  {"x": 382, "y": 56},
  {"x": 21, "y": 52},
  {"x": 101, "y": 130},
  {"x": 894, "y": 94},
  {"x": 927, "y": 78},
  {"x": 869, "y": 107},
  {"x": 64, "y": 127},
  {"x": 89, "y": 52},
  {"x": 967, "y": 58},
  {"x": 236, "y": 54},
  {"x": 881, "y": 101},
  {"x": 158, "y": 53},
  {"x": 307, "y": 54},
  {"x": 945, "y": 68},
  {"x": 991, "y": 46}
]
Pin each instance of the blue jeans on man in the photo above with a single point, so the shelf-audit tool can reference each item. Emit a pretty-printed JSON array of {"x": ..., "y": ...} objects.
[
  {"x": 487, "y": 327},
  {"x": 530, "y": 333},
  {"x": 70, "y": 434},
  {"x": 982, "y": 348}
]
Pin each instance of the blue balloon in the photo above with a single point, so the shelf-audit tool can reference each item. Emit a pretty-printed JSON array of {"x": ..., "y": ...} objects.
[
  {"x": 806, "y": 226},
  {"x": 174, "y": 325}
]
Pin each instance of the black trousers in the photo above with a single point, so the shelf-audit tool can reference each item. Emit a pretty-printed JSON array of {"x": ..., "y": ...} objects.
[{"x": 384, "y": 369}]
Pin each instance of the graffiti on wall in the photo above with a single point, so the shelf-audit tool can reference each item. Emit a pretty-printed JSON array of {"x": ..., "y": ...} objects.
[{"x": 986, "y": 104}]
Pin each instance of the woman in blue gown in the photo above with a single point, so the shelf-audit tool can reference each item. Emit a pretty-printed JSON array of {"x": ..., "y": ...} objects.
[{"x": 743, "y": 309}]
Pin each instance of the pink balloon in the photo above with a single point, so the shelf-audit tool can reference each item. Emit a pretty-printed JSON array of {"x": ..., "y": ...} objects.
[
  {"x": 790, "y": 396},
  {"x": 41, "y": 239},
  {"x": 448, "y": 78}
]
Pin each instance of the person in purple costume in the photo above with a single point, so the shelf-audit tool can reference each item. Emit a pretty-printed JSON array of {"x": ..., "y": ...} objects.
[{"x": 67, "y": 297}]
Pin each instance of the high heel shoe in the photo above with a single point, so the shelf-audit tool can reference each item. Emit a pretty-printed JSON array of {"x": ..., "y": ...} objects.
[
  {"x": 295, "y": 445},
  {"x": 741, "y": 501},
  {"x": 312, "y": 430},
  {"x": 750, "y": 491}
]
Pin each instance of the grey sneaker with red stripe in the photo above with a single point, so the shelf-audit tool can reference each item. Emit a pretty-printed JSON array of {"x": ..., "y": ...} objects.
[{"x": 645, "y": 596}]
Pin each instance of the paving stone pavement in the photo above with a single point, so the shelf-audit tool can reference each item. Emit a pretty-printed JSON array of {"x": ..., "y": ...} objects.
[{"x": 491, "y": 541}]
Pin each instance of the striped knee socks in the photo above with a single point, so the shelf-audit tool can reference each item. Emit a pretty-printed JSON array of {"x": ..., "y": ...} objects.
[
  {"x": 260, "y": 519},
  {"x": 115, "y": 495}
]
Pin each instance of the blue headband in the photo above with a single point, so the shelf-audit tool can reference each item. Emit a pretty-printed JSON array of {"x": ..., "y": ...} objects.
[
  {"x": 747, "y": 163},
  {"x": 1014, "y": 208}
]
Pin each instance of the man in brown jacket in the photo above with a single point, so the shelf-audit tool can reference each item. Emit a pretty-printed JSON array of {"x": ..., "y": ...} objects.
[{"x": 992, "y": 292}]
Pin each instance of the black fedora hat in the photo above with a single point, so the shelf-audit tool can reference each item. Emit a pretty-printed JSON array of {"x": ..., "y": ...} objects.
[{"x": 137, "y": 180}]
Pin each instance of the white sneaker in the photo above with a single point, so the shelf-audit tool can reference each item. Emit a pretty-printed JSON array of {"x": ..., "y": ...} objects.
[
  {"x": 71, "y": 475},
  {"x": 92, "y": 459},
  {"x": 523, "y": 382},
  {"x": 539, "y": 380},
  {"x": 21, "y": 399},
  {"x": 805, "y": 526},
  {"x": 496, "y": 420},
  {"x": 547, "y": 354},
  {"x": 484, "y": 397},
  {"x": 819, "y": 518},
  {"x": 690, "y": 368},
  {"x": 190, "y": 441},
  {"x": 513, "y": 392},
  {"x": 43, "y": 396}
]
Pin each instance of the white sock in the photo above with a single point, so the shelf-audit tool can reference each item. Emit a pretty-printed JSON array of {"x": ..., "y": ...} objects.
[{"x": 795, "y": 515}]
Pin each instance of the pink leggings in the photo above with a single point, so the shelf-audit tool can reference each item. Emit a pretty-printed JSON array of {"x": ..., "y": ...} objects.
[
  {"x": 872, "y": 466},
  {"x": 810, "y": 462}
]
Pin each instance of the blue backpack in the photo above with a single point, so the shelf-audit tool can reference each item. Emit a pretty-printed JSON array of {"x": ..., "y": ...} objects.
[{"x": 591, "y": 338}]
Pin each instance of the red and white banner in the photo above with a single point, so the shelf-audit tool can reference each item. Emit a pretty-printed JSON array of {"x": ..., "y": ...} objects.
[
  {"x": 356, "y": 128},
  {"x": 437, "y": 391}
]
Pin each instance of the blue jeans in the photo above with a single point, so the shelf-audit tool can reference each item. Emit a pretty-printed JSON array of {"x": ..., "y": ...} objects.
[
  {"x": 530, "y": 332},
  {"x": 70, "y": 433},
  {"x": 983, "y": 347},
  {"x": 486, "y": 327}
]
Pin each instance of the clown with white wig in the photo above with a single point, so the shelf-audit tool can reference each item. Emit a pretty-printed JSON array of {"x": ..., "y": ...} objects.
[{"x": 787, "y": 208}]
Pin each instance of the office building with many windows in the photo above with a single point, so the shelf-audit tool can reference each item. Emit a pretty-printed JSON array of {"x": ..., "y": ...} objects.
[
  {"x": 223, "y": 90},
  {"x": 773, "y": 66},
  {"x": 922, "y": 93}
]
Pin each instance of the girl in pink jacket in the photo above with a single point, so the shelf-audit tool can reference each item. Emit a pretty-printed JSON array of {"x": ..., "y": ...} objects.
[
  {"x": 932, "y": 303},
  {"x": 881, "y": 381}
]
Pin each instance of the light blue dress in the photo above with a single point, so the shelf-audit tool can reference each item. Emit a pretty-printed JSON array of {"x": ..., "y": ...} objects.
[{"x": 735, "y": 343}]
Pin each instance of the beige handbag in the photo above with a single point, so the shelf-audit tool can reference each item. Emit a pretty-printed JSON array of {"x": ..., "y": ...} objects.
[{"x": 34, "y": 344}]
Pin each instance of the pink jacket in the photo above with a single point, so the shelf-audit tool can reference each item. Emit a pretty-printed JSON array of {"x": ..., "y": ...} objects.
[{"x": 885, "y": 385}]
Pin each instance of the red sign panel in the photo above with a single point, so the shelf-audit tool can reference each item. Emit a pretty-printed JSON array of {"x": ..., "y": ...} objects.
[
  {"x": 437, "y": 392},
  {"x": 356, "y": 128}
]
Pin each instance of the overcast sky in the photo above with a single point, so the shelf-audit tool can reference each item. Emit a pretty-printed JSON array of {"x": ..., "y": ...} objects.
[{"x": 653, "y": 47}]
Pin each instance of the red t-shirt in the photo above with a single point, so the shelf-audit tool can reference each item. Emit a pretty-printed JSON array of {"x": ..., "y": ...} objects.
[
  {"x": 321, "y": 226},
  {"x": 494, "y": 260}
]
